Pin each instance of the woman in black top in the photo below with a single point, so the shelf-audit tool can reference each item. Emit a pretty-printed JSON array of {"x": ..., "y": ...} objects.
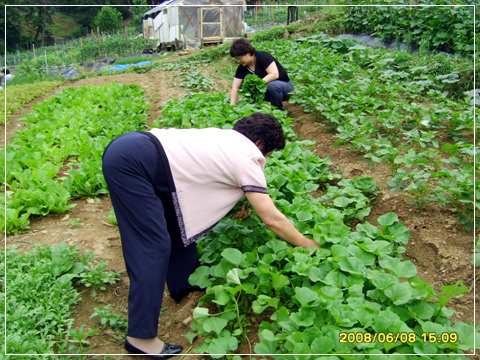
[{"x": 264, "y": 65}]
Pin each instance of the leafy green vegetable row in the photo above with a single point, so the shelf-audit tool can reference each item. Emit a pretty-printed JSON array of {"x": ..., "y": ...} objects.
[
  {"x": 19, "y": 95},
  {"x": 393, "y": 107},
  {"x": 57, "y": 157},
  {"x": 304, "y": 298},
  {"x": 441, "y": 28}
]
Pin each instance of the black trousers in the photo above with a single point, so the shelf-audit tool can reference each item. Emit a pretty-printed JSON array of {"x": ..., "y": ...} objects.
[
  {"x": 277, "y": 92},
  {"x": 152, "y": 247}
]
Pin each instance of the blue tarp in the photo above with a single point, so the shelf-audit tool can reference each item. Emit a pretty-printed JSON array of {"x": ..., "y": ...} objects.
[{"x": 126, "y": 66}]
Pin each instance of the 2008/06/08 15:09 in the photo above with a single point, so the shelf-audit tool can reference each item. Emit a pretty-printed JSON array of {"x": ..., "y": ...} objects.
[{"x": 403, "y": 337}]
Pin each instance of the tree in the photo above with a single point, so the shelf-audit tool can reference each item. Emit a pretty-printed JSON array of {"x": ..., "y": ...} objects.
[
  {"x": 108, "y": 19},
  {"x": 138, "y": 11},
  {"x": 35, "y": 20},
  {"x": 13, "y": 30},
  {"x": 46, "y": 19}
]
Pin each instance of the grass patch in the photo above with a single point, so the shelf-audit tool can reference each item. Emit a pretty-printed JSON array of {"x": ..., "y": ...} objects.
[
  {"x": 134, "y": 60},
  {"x": 33, "y": 77},
  {"x": 20, "y": 94},
  {"x": 40, "y": 297},
  {"x": 64, "y": 26}
]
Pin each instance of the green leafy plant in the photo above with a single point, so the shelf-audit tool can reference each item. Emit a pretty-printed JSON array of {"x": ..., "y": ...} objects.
[
  {"x": 112, "y": 218},
  {"x": 253, "y": 89},
  {"x": 196, "y": 80},
  {"x": 40, "y": 296},
  {"x": 79, "y": 337},
  {"x": 97, "y": 277},
  {"x": 109, "y": 318},
  {"x": 59, "y": 134},
  {"x": 415, "y": 184},
  {"x": 76, "y": 222}
]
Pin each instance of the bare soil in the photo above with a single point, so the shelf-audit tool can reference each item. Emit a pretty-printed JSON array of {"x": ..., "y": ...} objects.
[{"x": 439, "y": 247}]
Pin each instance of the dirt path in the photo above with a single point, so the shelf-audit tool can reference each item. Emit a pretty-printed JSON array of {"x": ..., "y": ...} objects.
[{"x": 439, "y": 247}]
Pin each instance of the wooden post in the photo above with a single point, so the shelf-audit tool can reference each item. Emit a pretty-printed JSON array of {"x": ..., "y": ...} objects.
[
  {"x": 63, "y": 52},
  {"x": 81, "y": 44},
  {"x": 99, "y": 41},
  {"x": 126, "y": 39},
  {"x": 34, "y": 55}
]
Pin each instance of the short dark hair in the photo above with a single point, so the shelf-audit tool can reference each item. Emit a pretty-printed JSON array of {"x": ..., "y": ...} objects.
[
  {"x": 241, "y": 47},
  {"x": 263, "y": 127}
]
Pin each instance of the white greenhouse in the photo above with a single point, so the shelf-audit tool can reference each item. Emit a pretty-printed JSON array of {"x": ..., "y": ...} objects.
[{"x": 180, "y": 23}]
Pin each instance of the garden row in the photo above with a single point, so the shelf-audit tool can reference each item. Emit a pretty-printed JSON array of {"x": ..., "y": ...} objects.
[
  {"x": 20, "y": 95},
  {"x": 307, "y": 298},
  {"x": 412, "y": 113},
  {"x": 90, "y": 48},
  {"x": 357, "y": 283},
  {"x": 431, "y": 28},
  {"x": 58, "y": 155},
  {"x": 42, "y": 288},
  {"x": 56, "y": 158}
]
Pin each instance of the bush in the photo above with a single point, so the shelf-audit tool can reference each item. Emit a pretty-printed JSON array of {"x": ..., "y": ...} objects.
[
  {"x": 329, "y": 23},
  {"x": 108, "y": 19},
  {"x": 443, "y": 29}
]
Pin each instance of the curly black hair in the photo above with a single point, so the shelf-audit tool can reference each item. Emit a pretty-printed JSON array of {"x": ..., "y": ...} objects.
[
  {"x": 241, "y": 47},
  {"x": 264, "y": 128}
]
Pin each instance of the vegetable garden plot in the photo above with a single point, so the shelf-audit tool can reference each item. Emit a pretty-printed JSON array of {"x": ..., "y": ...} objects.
[
  {"x": 313, "y": 301},
  {"x": 441, "y": 28},
  {"x": 394, "y": 109},
  {"x": 246, "y": 269},
  {"x": 58, "y": 156},
  {"x": 40, "y": 297},
  {"x": 19, "y": 95}
]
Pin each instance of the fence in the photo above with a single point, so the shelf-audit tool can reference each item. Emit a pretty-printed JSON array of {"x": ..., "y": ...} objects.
[{"x": 96, "y": 46}]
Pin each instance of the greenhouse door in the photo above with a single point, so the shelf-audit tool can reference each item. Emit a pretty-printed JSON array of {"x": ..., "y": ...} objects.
[{"x": 211, "y": 25}]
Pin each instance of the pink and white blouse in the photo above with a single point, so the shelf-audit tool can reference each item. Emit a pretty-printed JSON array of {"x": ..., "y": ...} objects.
[{"x": 212, "y": 169}]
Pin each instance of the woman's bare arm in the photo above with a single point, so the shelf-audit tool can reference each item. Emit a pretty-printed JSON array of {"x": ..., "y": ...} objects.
[
  {"x": 236, "y": 85},
  {"x": 276, "y": 221},
  {"x": 272, "y": 73}
]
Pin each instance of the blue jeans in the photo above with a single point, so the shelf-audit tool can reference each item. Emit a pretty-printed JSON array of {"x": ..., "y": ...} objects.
[{"x": 278, "y": 92}]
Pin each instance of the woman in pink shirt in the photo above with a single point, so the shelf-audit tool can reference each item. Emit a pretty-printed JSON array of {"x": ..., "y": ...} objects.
[{"x": 169, "y": 187}]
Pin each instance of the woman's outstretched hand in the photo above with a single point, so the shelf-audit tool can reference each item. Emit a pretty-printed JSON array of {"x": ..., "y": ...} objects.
[
  {"x": 242, "y": 214},
  {"x": 310, "y": 243}
]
